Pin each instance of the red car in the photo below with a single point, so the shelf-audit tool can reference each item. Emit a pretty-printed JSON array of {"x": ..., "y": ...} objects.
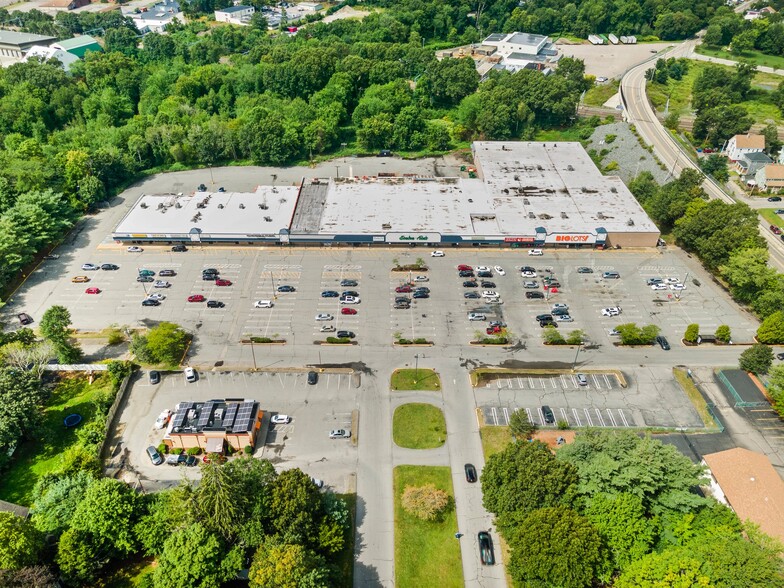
[
  {"x": 196, "y": 298},
  {"x": 92, "y": 291},
  {"x": 775, "y": 229},
  {"x": 220, "y": 282},
  {"x": 401, "y": 289},
  {"x": 464, "y": 268},
  {"x": 348, "y": 311},
  {"x": 493, "y": 330}
]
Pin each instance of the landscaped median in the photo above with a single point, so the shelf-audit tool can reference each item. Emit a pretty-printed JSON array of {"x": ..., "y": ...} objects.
[
  {"x": 415, "y": 379},
  {"x": 418, "y": 426},
  {"x": 426, "y": 551}
]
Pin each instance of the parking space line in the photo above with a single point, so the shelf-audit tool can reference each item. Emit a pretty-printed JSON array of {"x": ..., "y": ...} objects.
[
  {"x": 611, "y": 417},
  {"x": 553, "y": 383},
  {"x": 596, "y": 382},
  {"x": 531, "y": 382},
  {"x": 506, "y": 415},
  {"x": 542, "y": 384},
  {"x": 599, "y": 416},
  {"x": 530, "y": 415},
  {"x": 607, "y": 380},
  {"x": 564, "y": 415},
  {"x": 564, "y": 382},
  {"x": 623, "y": 417},
  {"x": 495, "y": 415},
  {"x": 588, "y": 417},
  {"x": 577, "y": 417}
]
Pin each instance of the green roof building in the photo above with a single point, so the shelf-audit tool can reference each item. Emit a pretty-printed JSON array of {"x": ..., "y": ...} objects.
[{"x": 78, "y": 45}]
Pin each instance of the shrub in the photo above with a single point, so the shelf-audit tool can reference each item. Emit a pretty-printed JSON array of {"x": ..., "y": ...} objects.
[
  {"x": 118, "y": 370},
  {"x": 493, "y": 341},
  {"x": 772, "y": 329},
  {"x": 692, "y": 333},
  {"x": 520, "y": 426},
  {"x": 248, "y": 450},
  {"x": 609, "y": 138},
  {"x": 421, "y": 341},
  {"x": 756, "y": 359},
  {"x": 576, "y": 337},
  {"x": 631, "y": 334},
  {"x": 723, "y": 334},
  {"x": 563, "y": 425},
  {"x": 338, "y": 340},
  {"x": 116, "y": 336},
  {"x": 163, "y": 448},
  {"x": 194, "y": 451},
  {"x": 425, "y": 502},
  {"x": 612, "y": 166},
  {"x": 261, "y": 339},
  {"x": 402, "y": 341},
  {"x": 176, "y": 451},
  {"x": 551, "y": 336},
  {"x": 672, "y": 121}
]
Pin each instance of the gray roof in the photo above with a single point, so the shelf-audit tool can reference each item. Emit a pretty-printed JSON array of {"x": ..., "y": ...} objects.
[
  {"x": 495, "y": 37},
  {"x": 756, "y": 157},
  {"x": 17, "y": 38},
  {"x": 526, "y": 39},
  {"x": 233, "y": 9}
]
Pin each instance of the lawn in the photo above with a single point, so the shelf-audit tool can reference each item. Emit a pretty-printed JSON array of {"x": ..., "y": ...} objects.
[
  {"x": 33, "y": 459},
  {"x": 679, "y": 92},
  {"x": 696, "y": 398},
  {"x": 426, "y": 552},
  {"x": 418, "y": 426},
  {"x": 494, "y": 439},
  {"x": 771, "y": 217},
  {"x": 755, "y": 57},
  {"x": 601, "y": 93},
  {"x": 421, "y": 379},
  {"x": 126, "y": 573}
]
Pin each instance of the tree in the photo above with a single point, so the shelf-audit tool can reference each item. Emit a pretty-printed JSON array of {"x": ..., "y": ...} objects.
[
  {"x": 215, "y": 503},
  {"x": 631, "y": 334},
  {"x": 295, "y": 507},
  {"x": 575, "y": 337},
  {"x": 55, "y": 501},
  {"x": 552, "y": 336},
  {"x": 672, "y": 567},
  {"x": 195, "y": 557},
  {"x": 22, "y": 356},
  {"x": 748, "y": 273},
  {"x": 79, "y": 557},
  {"x": 21, "y": 397},
  {"x": 715, "y": 165},
  {"x": 55, "y": 327},
  {"x": 520, "y": 425},
  {"x": 771, "y": 331},
  {"x": 167, "y": 342},
  {"x": 555, "y": 546},
  {"x": 20, "y": 542},
  {"x": 615, "y": 462},
  {"x": 743, "y": 41},
  {"x": 167, "y": 511},
  {"x": 39, "y": 576},
  {"x": 757, "y": 359},
  {"x": 713, "y": 36},
  {"x": 524, "y": 477},
  {"x": 450, "y": 80},
  {"x": 281, "y": 565},
  {"x": 723, "y": 334},
  {"x": 424, "y": 502},
  {"x": 692, "y": 333},
  {"x": 108, "y": 513}
]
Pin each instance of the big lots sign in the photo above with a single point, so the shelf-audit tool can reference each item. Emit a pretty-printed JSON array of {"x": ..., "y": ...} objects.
[{"x": 575, "y": 238}]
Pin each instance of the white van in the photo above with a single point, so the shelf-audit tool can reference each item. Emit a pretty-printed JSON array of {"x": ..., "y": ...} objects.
[{"x": 263, "y": 304}]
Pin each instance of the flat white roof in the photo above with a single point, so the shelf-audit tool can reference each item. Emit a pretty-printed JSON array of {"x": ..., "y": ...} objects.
[{"x": 213, "y": 213}]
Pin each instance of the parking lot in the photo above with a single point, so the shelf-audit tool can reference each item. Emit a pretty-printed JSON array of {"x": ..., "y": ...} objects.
[
  {"x": 442, "y": 317},
  {"x": 315, "y": 410}
]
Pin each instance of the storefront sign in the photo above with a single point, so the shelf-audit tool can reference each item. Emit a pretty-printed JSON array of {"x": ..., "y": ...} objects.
[
  {"x": 413, "y": 237},
  {"x": 518, "y": 239},
  {"x": 578, "y": 238}
]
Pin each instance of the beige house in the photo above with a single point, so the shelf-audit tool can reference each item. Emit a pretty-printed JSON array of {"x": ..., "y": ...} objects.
[
  {"x": 747, "y": 483},
  {"x": 770, "y": 177}
]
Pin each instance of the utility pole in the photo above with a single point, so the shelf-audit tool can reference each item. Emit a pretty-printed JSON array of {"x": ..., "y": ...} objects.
[
  {"x": 337, "y": 172},
  {"x": 574, "y": 363},
  {"x": 416, "y": 368}
]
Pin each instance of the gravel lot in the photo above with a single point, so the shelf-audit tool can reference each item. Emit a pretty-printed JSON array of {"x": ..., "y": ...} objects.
[
  {"x": 627, "y": 151},
  {"x": 611, "y": 61}
]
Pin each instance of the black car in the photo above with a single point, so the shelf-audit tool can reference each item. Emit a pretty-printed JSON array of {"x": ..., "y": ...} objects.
[
  {"x": 560, "y": 312},
  {"x": 550, "y": 323},
  {"x": 345, "y": 334},
  {"x": 421, "y": 295},
  {"x": 215, "y": 304},
  {"x": 780, "y": 356},
  {"x": 179, "y": 248},
  {"x": 221, "y": 189},
  {"x": 424, "y": 289},
  {"x": 329, "y": 294},
  {"x": 471, "y": 295},
  {"x": 24, "y": 318},
  {"x": 167, "y": 272},
  {"x": 662, "y": 341},
  {"x": 348, "y": 283},
  {"x": 209, "y": 277},
  {"x": 385, "y": 153},
  {"x": 774, "y": 199},
  {"x": 353, "y": 293},
  {"x": 402, "y": 305},
  {"x": 155, "y": 377},
  {"x": 553, "y": 284},
  {"x": 486, "y": 553},
  {"x": 286, "y": 288},
  {"x": 466, "y": 274},
  {"x": 530, "y": 295},
  {"x": 201, "y": 188},
  {"x": 402, "y": 300},
  {"x": 547, "y": 414},
  {"x": 145, "y": 279},
  {"x": 487, "y": 284},
  {"x": 109, "y": 267},
  {"x": 484, "y": 274},
  {"x": 584, "y": 270},
  {"x": 312, "y": 378},
  {"x": 470, "y": 284},
  {"x": 527, "y": 268},
  {"x": 149, "y": 302},
  {"x": 470, "y": 473},
  {"x": 544, "y": 317}
]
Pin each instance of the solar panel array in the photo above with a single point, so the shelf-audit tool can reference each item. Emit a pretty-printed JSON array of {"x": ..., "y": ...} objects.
[
  {"x": 231, "y": 414},
  {"x": 206, "y": 414},
  {"x": 181, "y": 414},
  {"x": 245, "y": 414}
]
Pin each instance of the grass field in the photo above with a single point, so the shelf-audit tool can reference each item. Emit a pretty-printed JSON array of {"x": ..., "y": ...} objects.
[
  {"x": 761, "y": 109},
  {"x": 33, "y": 459},
  {"x": 426, "y": 552},
  {"x": 771, "y": 217},
  {"x": 419, "y": 426},
  {"x": 601, "y": 93},
  {"x": 755, "y": 57},
  {"x": 494, "y": 439},
  {"x": 421, "y": 379},
  {"x": 696, "y": 398}
]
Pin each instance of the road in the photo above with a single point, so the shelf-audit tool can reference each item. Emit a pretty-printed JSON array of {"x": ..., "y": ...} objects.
[{"x": 639, "y": 112}]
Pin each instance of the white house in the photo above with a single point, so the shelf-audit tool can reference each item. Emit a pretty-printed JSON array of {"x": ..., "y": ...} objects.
[
  {"x": 42, "y": 53},
  {"x": 155, "y": 18},
  {"x": 740, "y": 144},
  {"x": 239, "y": 15}
]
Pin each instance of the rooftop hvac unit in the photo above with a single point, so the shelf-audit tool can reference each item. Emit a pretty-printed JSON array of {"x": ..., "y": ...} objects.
[
  {"x": 570, "y": 167},
  {"x": 564, "y": 215},
  {"x": 220, "y": 206},
  {"x": 177, "y": 205},
  {"x": 242, "y": 206},
  {"x": 268, "y": 219},
  {"x": 263, "y": 206},
  {"x": 630, "y": 222},
  {"x": 614, "y": 190},
  {"x": 526, "y": 201},
  {"x": 599, "y": 215}
]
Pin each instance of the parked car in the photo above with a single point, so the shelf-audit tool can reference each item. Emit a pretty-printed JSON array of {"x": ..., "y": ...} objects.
[
  {"x": 774, "y": 199},
  {"x": 109, "y": 267},
  {"x": 190, "y": 375},
  {"x": 464, "y": 268},
  {"x": 134, "y": 249},
  {"x": 490, "y": 294},
  {"x": 584, "y": 270},
  {"x": 484, "y": 274},
  {"x": 155, "y": 377},
  {"x": 154, "y": 456},
  {"x": 339, "y": 434},
  {"x": 652, "y": 281},
  {"x": 611, "y": 275},
  {"x": 286, "y": 288},
  {"x": 544, "y": 317},
  {"x": 166, "y": 273},
  {"x": 345, "y": 334},
  {"x": 215, "y": 304},
  {"x": 348, "y": 283},
  {"x": 280, "y": 419},
  {"x": 147, "y": 273},
  {"x": 436, "y": 253},
  {"x": 163, "y": 419},
  {"x": 329, "y": 294},
  {"x": 564, "y": 318},
  {"x": 150, "y": 302},
  {"x": 486, "y": 553},
  {"x": 487, "y": 284},
  {"x": 349, "y": 300},
  {"x": 90, "y": 267},
  {"x": 532, "y": 295},
  {"x": 161, "y": 284},
  {"x": 531, "y": 284},
  {"x": 80, "y": 279},
  {"x": 181, "y": 459},
  {"x": 775, "y": 229},
  {"x": 221, "y": 282},
  {"x": 499, "y": 270},
  {"x": 663, "y": 343},
  {"x": 179, "y": 248},
  {"x": 470, "y": 473},
  {"x": 677, "y": 286},
  {"x": 401, "y": 289},
  {"x": 659, "y": 287},
  {"x": 196, "y": 298},
  {"x": 24, "y": 318},
  {"x": 145, "y": 279},
  {"x": 611, "y": 311},
  {"x": 535, "y": 252},
  {"x": 492, "y": 330},
  {"x": 547, "y": 414},
  {"x": 156, "y": 296},
  {"x": 465, "y": 274},
  {"x": 327, "y": 328},
  {"x": 471, "y": 295},
  {"x": 92, "y": 290},
  {"x": 312, "y": 378},
  {"x": 421, "y": 279},
  {"x": 470, "y": 284},
  {"x": 324, "y": 317},
  {"x": 263, "y": 304},
  {"x": 347, "y": 310},
  {"x": 476, "y": 316},
  {"x": 421, "y": 295},
  {"x": 582, "y": 379}
]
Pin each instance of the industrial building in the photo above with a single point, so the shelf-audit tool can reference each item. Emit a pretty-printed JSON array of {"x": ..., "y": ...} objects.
[{"x": 521, "y": 194}]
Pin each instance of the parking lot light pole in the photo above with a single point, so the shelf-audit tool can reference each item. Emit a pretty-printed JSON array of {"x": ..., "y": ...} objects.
[
  {"x": 252, "y": 351},
  {"x": 416, "y": 368},
  {"x": 574, "y": 363}
]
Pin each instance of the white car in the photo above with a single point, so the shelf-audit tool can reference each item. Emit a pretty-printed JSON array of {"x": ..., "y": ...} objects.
[
  {"x": 669, "y": 281},
  {"x": 535, "y": 252},
  {"x": 494, "y": 301},
  {"x": 326, "y": 328},
  {"x": 528, "y": 274},
  {"x": 561, "y": 306},
  {"x": 339, "y": 434},
  {"x": 90, "y": 267},
  {"x": 659, "y": 287},
  {"x": 601, "y": 79},
  {"x": 677, "y": 286},
  {"x": 421, "y": 279},
  {"x": 490, "y": 294},
  {"x": 613, "y": 333},
  {"x": 530, "y": 284},
  {"x": 499, "y": 270},
  {"x": 190, "y": 374},
  {"x": 280, "y": 419},
  {"x": 263, "y": 304},
  {"x": 163, "y": 419},
  {"x": 161, "y": 284},
  {"x": 436, "y": 254},
  {"x": 612, "y": 311},
  {"x": 134, "y": 249},
  {"x": 324, "y": 317},
  {"x": 349, "y": 300},
  {"x": 476, "y": 316},
  {"x": 156, "y": 296},
  {"x": 482, "y": 268},
  {"x": 564, "y": 318}
]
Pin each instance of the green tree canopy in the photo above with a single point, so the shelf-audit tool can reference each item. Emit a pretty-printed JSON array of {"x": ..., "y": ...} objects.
[
  {"x": 520, "y": 425},
  {"x": 771, "y": 331},
  {"x": 756, "y": 359},
  {"x": 20, "y": 542},
  {"x": 280, "y": 565},
  {"x": 167, "y": 342},
  {"x": 56, "y": 501},
  {"x": 748, "y": 273}
]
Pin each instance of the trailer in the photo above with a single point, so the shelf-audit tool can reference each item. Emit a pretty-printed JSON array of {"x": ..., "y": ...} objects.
[
  {"x": 604, "y": 39},
  {"x": 629, "y": 40},
  {"x": 594, "y": 40},
  {"x": 613, "y": 39}
]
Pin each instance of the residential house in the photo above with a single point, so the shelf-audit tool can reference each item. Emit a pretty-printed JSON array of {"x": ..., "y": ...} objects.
[
  {"x": 748, "y": 143},
  {"x": 13, "y": 44},
  {"x": 67, "y": 4},
  {"x": 750, "y": 163},
  {"x": 79, "y": 46},
  {"x": 239, "y": 15},
  {"x": 212, "y": 424},
  {"x": 155, "y": 18},
  {"x": 42, "y": 53},
  {"x": 770, "y": 177},
  {"x": 747, "y": 482}
]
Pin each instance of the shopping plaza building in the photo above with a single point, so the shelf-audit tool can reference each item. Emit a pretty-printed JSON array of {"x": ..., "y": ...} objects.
[{"x": 519, "y": 194}]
